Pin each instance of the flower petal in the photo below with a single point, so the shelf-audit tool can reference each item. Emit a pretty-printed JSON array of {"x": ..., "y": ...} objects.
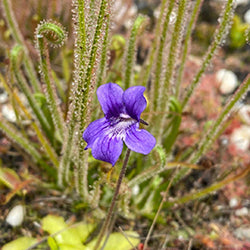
[
  {"x": 94, "y": 130},
  {"x": 107, "y": 148},
  {"x": 139, "y": 140},
  {"x": 134, "y": 101},
  {"x": 110, "y": 98}
]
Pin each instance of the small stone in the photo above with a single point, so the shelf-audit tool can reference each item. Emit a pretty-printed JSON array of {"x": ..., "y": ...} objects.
[
  {"x": 15, "y": 216},
  {"x": 3, "y": 97},
  {"x": 136, "y": 190},
  {"x": 244, "y": 114},
  {"x": 241, "y": 2},
  {"x": 241, "y": 211},
  {"x": 241, "y": 137},
  {"x": 233, "y": 202},
  {"x": 8, "y": 113},
  {"x": 228, "y": 81},
  {"x": 247, "y": 16},
  {"x": 242, "y": 233}
]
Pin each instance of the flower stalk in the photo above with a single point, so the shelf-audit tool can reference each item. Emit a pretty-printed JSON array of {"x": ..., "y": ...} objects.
[{"x": 107, "y": 221}]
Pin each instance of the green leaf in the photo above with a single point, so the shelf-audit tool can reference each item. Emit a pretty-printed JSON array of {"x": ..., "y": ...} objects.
[
  {"x": 173, "y": 129},
  {"x": 83, "y": 230},
  {"x": 161, "y": 154},
  {"x": 20, "y": 243},
  {"x": 53, "y": 224},
  {"x": 126, "y": 241},
  {"x": 9, "y": 178},
  {"x": 52, "y": 244},
  {"x": 65, "y": 237}
]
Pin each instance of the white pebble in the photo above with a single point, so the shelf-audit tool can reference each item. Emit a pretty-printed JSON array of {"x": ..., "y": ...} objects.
[
  {"x": 247, "y": 16},
  {"x": 228, "y": 81},
  {"x": 244, "y": 114},
  {"x": 241, "y": 2},
  {"x": 233, "y": 202},
  {"x": 242, "y": 233},
  {"x": 8, "y": 113},
  {"x": 3, "y": 97},
  {"x": 241, "y": 212},
  {"x": 15, "y": 216},
  {"x": 135, "y": 190},
  {"x": 241, "y": 137}
]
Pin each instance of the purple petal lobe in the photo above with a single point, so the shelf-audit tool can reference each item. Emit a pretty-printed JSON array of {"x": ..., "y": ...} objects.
[
  {"x": 94, "y": 130},
  {"x": 139, "y": 140},
  {"x": 110, "y": 98},
  {"x": 134, "y": 101},
  {"x": 107, "y": 148}
]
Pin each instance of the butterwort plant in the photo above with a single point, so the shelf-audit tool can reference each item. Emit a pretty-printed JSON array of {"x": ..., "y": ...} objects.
[{"x": 122, "y": 110}]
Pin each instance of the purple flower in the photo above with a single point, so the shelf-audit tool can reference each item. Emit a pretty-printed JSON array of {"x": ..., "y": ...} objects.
[{"x": 122, "y": 110}]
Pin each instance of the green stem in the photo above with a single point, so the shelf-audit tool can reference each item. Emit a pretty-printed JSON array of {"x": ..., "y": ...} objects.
[
  {"x": 44, "y": 142},
  {"x": 76, "y": 91},
  {"x": 113, "y": 202},
  {"x": 213, "y": 133},
  {"x": 186, "y": 43},
  {"x": 54, "y": 34},
  {"x": 225, "y": 21},
  {"x": 173, "y": 52},
  {"x": 12, "y": 23},
  {"x": 145, "y": 73},
  {"x": 215, "y": 130},
  {"x": 16, "y": 137},
  {"x": 158, "y": 169},
  {"x": 159, "y": 59},
  {"x": 130, "y": 55},
  {"x": 16, "y": 57},
  {"x": 103, "y": 61},
  {"x": 86, "y": 97},
  {"x": 164, "y": 197},
  {"x": 208, "y": 190}
]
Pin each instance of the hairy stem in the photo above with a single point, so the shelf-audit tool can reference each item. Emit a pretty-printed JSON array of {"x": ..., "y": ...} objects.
[
  {"x": 113, "y": 202},
  {"x": 89, "y": 85},
  {"x": 56, "y": 35},
  {"x": 225, "y": 22},
  {"x": 165, "y": 90},
  {"x": 20, "y": 40},
  {"x": 215, "y": 129},
  {"x": 188, "y": 34},
  {"x": 43, "y": 140},
  {"x": 145, "y": 73},
  {"x": 77, "y": 85},
  {"x": 214, "y": 132},
  {"x": 16, "y": 58},
  {"x": 164, "y": 197},
  {"x": 15, "y": 136},
  {"x": 159, "y": 59},
  {"x": 130, "y": 55},
  {"x": 210, "y": 189}
]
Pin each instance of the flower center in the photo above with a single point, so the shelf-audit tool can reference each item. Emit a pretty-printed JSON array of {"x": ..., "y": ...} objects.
[{"x": 119, "y": 125}]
